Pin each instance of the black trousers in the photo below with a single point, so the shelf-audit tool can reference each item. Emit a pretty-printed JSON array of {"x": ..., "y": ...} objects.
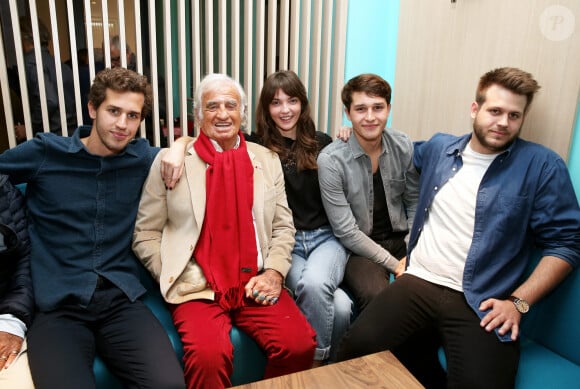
[
  {"x": 365, "y": 279},
  {"x": 127, "y": 336},
  {"x": 401, "y": 316}
]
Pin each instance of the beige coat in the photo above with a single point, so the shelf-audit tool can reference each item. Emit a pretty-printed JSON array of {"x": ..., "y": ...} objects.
[{"x": 169, "y": 223}]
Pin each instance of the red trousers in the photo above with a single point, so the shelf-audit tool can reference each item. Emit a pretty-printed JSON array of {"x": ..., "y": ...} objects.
[{"x": 281, "y": 330}]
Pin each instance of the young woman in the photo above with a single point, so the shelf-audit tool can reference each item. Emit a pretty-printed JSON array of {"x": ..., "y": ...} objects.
[{"x": 284, "y": 125}]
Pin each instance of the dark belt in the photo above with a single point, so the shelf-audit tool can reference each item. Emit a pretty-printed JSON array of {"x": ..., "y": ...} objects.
[{"x": 102, "y": 282}]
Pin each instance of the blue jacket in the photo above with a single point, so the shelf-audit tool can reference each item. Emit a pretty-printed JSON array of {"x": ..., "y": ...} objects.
[
  {"x": 16, "y": 296},
  {"x": 525, "y": 199}
]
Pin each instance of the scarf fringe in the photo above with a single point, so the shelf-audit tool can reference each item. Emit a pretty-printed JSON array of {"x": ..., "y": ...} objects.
[{"x": 231, "y": 298}]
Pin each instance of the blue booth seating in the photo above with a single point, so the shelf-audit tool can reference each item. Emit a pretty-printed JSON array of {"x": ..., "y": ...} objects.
[
  {"x": 550, "y": 339},
  {"x": 249, "y": 359}
]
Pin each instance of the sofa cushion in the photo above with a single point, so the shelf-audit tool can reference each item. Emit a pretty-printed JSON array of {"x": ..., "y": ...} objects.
[
  {"x": 542, "y": 368},
  {"x": 553, "y": 321}
]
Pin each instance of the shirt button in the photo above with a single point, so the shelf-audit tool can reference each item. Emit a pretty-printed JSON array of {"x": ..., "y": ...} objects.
[
  {"x": 191, "y": 248},
  {"x": 171, "y": 279},
  {"x": 454, "y": 169},
  {"x": 425, "y": 210},
  {"x": 436, "y": 188}
]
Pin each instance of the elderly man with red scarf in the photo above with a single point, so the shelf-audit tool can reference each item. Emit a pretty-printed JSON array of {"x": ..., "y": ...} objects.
[{"x": 220, "y": 243}]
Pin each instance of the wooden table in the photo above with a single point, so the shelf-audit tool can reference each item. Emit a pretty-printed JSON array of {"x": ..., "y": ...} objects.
[{"x": 380, "y": 370}]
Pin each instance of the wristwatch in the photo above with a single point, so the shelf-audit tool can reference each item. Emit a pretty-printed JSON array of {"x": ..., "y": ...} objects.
[{"x": 521, "y": 305}]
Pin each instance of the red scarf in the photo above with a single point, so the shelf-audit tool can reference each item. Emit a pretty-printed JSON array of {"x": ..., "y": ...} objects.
[{"x": 226, "y": 249}]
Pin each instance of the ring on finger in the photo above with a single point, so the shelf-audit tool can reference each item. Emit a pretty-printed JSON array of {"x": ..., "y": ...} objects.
[
  {"x": 274, "y": 300},
  {"x": 261, "y": 297},
  {"x": 255, "y": 293},
  {"x": 3, "y": 357},
  {"x": 14, "y": 352}
]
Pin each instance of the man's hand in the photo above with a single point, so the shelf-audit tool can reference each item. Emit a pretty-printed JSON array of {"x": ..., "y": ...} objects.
[
  {"x": 344, "y": 133},
  {"x": 503, "y": 314},
  {"x": 265, "y": 288},
  {"x": 173, "y": 161},
  {"x": 10, "y": 346}
]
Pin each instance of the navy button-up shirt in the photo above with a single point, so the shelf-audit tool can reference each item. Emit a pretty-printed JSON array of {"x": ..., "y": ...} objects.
[
  {"x": 525, "y": 199},
  {"x": 82, "y": 210}
]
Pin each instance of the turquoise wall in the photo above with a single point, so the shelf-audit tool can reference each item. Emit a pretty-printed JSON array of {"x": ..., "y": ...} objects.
[
  {"x": 574, "y": 156},
  {"x": 371, "y": 42}
]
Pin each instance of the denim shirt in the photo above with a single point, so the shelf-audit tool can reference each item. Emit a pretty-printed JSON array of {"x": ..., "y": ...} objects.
[
  {"x": 82, "y": 210},
  {"x": 525, "y": 200},
  {"x": 346, "y": 185}
]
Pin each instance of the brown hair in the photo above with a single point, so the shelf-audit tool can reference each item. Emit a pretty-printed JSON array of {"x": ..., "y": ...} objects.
[
  {"x": 513, "y": 79},
  {"x": 120, "y": 80},
  {"x": 371, "y": 84},
  {"x": 305, "y": 148}
]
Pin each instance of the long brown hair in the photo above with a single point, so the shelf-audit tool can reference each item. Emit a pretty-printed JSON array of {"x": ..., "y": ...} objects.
[{"x": 305, "y": 148}]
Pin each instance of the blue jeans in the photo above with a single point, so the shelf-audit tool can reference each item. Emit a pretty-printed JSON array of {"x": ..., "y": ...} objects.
[{"x": 318, "y": 263}]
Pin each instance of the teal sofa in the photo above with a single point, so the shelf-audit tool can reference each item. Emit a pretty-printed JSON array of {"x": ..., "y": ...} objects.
[{"x": 550, "y": 342}]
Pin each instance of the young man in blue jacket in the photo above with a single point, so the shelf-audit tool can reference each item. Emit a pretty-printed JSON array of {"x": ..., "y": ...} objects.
[{"x": 486, "y": 199}]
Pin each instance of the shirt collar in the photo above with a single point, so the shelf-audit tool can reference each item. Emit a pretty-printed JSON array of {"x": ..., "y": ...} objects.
[
  {"x": 76, "y": 144},
  {"x": 219, "y": 149},
  {"x": 357, "y": 150}
]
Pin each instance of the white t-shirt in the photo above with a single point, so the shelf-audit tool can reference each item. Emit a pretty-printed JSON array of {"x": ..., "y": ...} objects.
[{"x": 441, "y": 251}]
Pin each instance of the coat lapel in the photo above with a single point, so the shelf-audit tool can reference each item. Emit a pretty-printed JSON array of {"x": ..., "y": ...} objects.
[
  {"x": 195, "y": 172},
  {"x": 258, "y": 206}
]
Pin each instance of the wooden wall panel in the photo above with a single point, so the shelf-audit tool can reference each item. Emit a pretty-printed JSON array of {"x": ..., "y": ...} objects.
[{"x": 444, "y": 48}]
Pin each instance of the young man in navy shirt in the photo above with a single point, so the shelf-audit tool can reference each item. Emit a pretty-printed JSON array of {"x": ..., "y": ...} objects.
[{"x": 83, "y": 193}]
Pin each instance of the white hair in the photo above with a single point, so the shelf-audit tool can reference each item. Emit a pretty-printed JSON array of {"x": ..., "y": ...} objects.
[{"x": 211, "y": 81}]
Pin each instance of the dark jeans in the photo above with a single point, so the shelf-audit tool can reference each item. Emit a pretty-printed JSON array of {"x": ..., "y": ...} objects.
[
  {"x": 410, "y": 308},
  {"x": 127, "y": 336},
  {"x": 365, "y": 279}
]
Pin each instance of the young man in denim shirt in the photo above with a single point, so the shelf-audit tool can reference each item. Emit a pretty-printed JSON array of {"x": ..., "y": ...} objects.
[{"x": 486, "y": 199}]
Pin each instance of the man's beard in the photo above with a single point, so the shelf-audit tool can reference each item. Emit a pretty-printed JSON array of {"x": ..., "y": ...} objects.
[{"x": 480, "y": 134}]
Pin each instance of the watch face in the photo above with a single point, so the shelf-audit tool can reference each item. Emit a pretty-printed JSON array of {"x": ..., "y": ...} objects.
[{"x": 522, "y": 306}]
